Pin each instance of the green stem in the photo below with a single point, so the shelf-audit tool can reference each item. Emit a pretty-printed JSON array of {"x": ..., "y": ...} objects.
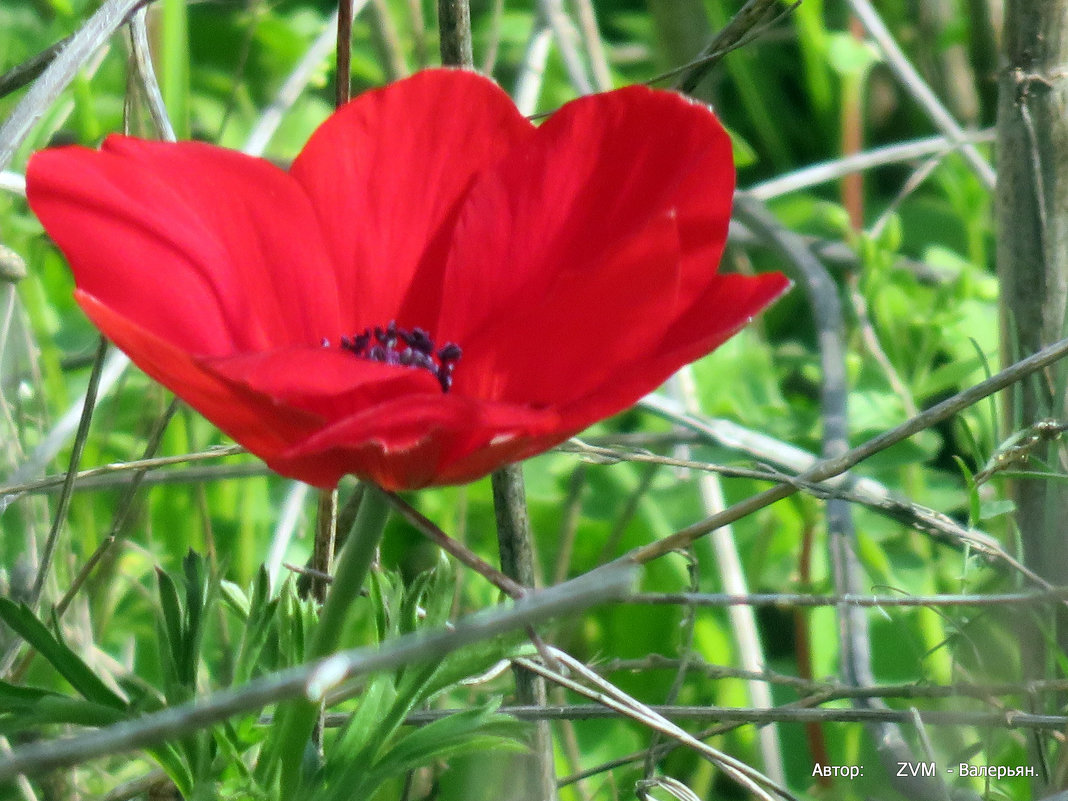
[{"x": 354, "y": 562}]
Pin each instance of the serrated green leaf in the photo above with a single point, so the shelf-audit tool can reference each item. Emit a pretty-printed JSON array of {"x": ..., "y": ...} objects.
[
  {"x": 410, "y": 690},
  {"x": 59, "y": 709},
  {"x": 235, "y": 600},
  {"x": 198, "y": 593},
  {"x": 464, "y": 733},
  {"x": 992, "y": 509},
  {"x": 170, "y": 757},
  {"x": 14, "y": 697},
  {"x": 475, "y": 659},
  {"x": 80, "y": 676},
  {"x": 363, "y": 733},
  {"x": 169, "y": 631}
]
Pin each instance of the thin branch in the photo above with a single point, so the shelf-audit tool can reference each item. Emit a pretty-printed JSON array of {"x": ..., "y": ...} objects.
[
  {"x": 531, "y": 72},
  {"x": 30, "y": 69},
  {"x": 387, "y": 41},
  {"x": 768, "y": 450},
  {"x": 853, "y": 627},
  {"x": 567, "y": 43},
  {"x": 119, "y": 468},
  {"x": 61, "y": 71},
  {"x": 459, "y": 551},
  {"x": 838, "y": 254},
  {"x": 609, "y": 695},
  {"x": 728, "y": 561},
  {"x": 55, "y": 439},
  {"x": 285, "y": 527},
  {"x": 13, "y": 182},
  {"x": 1006, "y": 719},
  {"x": 591, "y": 38},
  {"x": 146, "y": 73},
  {"x": 122, "y": 510},
  {"x": 750, "y": 16},
  {"x": 343, "y": 53},
  {"x": 516, "y": 544},
  {"x": 836, "y": 169},
  {"x": 63, "y": 505},
  {"x": 833, "y": 690},
  {"x": 294, "y": 85},
  {"x": 829, "y": 468},
  {"x": 920, "y": 91},
  {"x": 314, "y": 679},
  {"x": 784, "y": 600}
]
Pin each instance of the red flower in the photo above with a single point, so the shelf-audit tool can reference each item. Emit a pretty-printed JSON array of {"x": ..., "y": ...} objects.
[{"x": 573, "y": 264}]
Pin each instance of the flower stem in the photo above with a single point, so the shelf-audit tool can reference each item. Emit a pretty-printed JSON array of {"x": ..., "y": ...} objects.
[
  {"x": 354, "y": 562},
  {"x": 454, "y": 25},
  {"x": 516, "y": 542},
  {"x": 343, "y": 86}
]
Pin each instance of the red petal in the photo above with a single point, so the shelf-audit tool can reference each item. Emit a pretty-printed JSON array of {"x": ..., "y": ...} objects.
[
  {"x": 260, "y": 423},
  {"x": 386, "y": 173},
  {"x": 724, "y": 309},
  {"x": 326, "y": 382},
  {"x": 415, "y": 441},
  {"x": 210, "y": 250},
  {"x": 572, "y": 257},
  {"x": 598, "y": 172},
  {"x": 583, "y": 331}
]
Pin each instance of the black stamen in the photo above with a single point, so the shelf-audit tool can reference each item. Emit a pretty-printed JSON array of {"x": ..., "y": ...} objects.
[
  {"x": 417, "y": 353},
  {"x": 450, "y": 353}
]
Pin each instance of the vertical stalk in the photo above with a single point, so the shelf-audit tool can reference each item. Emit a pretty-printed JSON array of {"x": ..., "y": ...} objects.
[
  {"x": 1032, "y": 217},
  {"x": 323, "y": 550},
  {"x": 342, "y": 78},
  {"x": 517, "y": 561},
  {"x": 297, "y": 718},
  {"x": 454, "y": 24}
]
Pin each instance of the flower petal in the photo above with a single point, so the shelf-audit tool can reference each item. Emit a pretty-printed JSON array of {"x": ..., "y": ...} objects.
[
  {"x": 598, "y": 172},
  {"x": 210, "y": 250},
  {"x": 581, "y": 247},
  {"x": 728, "y": 304},
  {"x": 257, "y": 421},
  {"x": 323, "y": 381},
  {"x": 417, "y": 441},
  {"x": 386, "y": 173},
  {"x": 582, "y": 331}
]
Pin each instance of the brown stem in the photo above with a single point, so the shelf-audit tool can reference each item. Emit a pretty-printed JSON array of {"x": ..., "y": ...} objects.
[
  {"x": 454, "y": 24},
  {"x": 517, "y": 560},
  {"x": 343, "y": 85}
]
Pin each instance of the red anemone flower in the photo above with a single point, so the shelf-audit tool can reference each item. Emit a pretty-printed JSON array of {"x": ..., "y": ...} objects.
[{"x": 435, "y": 288}]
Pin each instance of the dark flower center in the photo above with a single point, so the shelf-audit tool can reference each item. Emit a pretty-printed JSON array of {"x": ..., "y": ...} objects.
[{"x": 404, "y": 347}]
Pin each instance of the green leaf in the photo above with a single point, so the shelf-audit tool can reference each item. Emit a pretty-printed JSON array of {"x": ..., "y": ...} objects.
[
  {"x": 259, "y": 616},
  {"x": 991, "y": 509},
  {"x": 14, "y": 698},
  {"x": 56, "y": 709},
  {"x": 198, "y": 593},
  {"x": 174, "y": 764},
  {"x": 464, "y": 733},
  {"x": 235, "y": 600},
  {"x": 849, "y": 56},
  {"x": 364, "y": 731},
  {"x": 170, "y": 635},
  {"x": 80, "y": 676}
]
